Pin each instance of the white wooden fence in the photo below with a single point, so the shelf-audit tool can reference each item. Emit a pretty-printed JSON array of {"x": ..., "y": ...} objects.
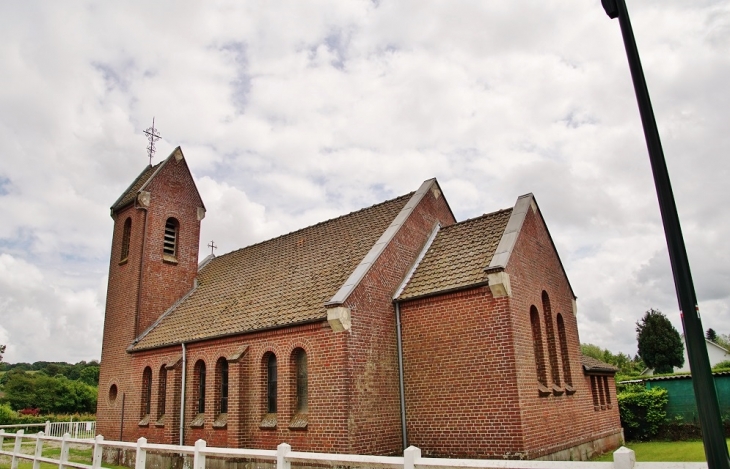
[
  {"x": 283, "y": 456},
  {"x": 80, "y": 429}
]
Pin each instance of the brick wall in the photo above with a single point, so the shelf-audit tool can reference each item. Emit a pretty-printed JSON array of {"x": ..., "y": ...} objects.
[
  {"x": 461, "y": 386},
  {"x": 556, "y": 420},
  {"x": 471, "y": 371},
  {"x": 374, "y": 423},
  {"x": 327, "y": 414},
  {"x": 119, "y": 324}
]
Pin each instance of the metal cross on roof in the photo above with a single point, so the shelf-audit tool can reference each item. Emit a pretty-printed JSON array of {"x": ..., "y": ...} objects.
[
  {"x": 152, "y": 135},
  {"x": 212, "y": 246}
]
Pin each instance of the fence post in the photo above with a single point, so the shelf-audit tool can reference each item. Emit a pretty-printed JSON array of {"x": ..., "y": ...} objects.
[
  {"x": 140, "y": 458},
  {"x": 98, "y": 450},
  {"x": 47, "y": 430},
  {"x": 16, "y": 449},
  {"x": 281, "y": 452},
  {"x": 624, "y": 458},
  {"x": 2, "y": 437},
  {"x": 198, "y": 457},
  {"x": 410, "y": 456},
  {"x": 64, "y": 451},
  {"x": 38, "y": 450}
]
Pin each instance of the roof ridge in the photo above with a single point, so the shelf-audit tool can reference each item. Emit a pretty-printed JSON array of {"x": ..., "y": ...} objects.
[
  {"x": 479, "y": 217},
  {"x": 315, "y": 225}
]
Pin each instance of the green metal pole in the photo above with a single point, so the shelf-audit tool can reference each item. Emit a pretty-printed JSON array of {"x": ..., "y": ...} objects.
[{"x": 713, "y": 434}]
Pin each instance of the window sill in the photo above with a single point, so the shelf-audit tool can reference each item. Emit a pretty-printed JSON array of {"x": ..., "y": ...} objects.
[
  {"x": 198, "y": 421},
  {"x": 168, "y": 259},
  {"x": 160, "y": 421},
  {"x": 557, "y": 390},
  {"x": 268, "y": 422},
  {"x": 543, "y": 391},
  {"x": 299, "y": 422},
  {"x": 221, "y": 421},
  {"x": 145, "y": 422},
  {"x": 123, "y": 261},
  {"x": 569, "y": 390}
]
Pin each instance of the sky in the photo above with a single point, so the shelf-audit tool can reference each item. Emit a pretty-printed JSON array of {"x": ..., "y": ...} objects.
[{"x": 293, "y": 112}]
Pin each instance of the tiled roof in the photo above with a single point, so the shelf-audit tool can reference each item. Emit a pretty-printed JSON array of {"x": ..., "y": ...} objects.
[
  {"x": 592, "y": 364},
  {"x": 458, "y": 256},
  {"x": 285, "y": 280},
  {"x": 131, "y": 193}
]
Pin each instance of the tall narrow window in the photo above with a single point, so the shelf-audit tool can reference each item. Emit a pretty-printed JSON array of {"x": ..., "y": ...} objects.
[
  {"x": 606, "y": 391},
  {"x": 594, "y": 392},
  {"x": 200, "y": 386},
  {"x": 221, "y": 369},
  {"x": 537, "y": 344},
  {"x": 171, "y": 232},
  {"x": 302, "y": 386},
  {"x": 567, "y": 376},
  {"x": 601, "y": 397},
  {"x": 146, "y": 391},
  {"x": 162, "y": 392},
  {"x": 550, "y": 333},
  {"x": 126, "y": 235},
  {"x": 271, "y": 384}
]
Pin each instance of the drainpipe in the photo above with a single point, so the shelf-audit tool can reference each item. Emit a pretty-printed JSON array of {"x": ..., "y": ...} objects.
[
  {"x": 182, "y": 394},
  {"x": 121, "y": 423},
  {"x": 400, "y": 376}
]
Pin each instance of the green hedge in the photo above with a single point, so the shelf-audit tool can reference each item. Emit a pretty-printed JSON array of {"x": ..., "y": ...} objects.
[
  {"x": 9, "y": 417},
  {"x": 643, "y": 411}
]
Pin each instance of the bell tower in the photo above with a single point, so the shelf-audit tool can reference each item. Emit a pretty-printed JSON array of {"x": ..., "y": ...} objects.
[{"x": 154, "y": 261}]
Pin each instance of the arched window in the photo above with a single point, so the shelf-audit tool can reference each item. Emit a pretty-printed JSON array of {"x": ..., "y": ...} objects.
[
  {"x": 606, "y": 391},
  {"x": 537, "y": 345},
  {"x": 126, "y": 235},
  {"x": 567, "y": 376},
  {"x": 271, "y": 384},
  {"x": 221, "y": 383},
  {"x": 171, "y": 231},
  {"x": 301, "y": 389},
  {"x": 146, "y": 391},
  {"x": 550, "y": 333},
  {"x": 199, "y": 383},
  {"x": 162, "y": 392}
]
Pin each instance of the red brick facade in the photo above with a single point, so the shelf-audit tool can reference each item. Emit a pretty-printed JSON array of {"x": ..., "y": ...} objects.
[{"x": 470, "y": 372}]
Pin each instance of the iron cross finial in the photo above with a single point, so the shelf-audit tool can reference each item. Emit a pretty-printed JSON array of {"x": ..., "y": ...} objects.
[
  {"x": 212, "y": 246},
  {"x": 152, "y": 135}
]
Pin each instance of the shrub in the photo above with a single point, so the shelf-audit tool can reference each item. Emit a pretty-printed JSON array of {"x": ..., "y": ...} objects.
[
  {"x": 642, "y": 411},
  {"x": 7, "y": 415},
  {"x": 722, "y": 366}
]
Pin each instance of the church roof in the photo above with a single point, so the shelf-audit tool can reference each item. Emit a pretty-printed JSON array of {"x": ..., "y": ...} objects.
[
  {"x": 282, "y": 281},
  {"x": 458, "y": 256},
  {"x": 130, "y": 194}
]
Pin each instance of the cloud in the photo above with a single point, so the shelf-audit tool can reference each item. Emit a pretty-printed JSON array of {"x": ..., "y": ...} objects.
[{"x": 42, "y": 320}]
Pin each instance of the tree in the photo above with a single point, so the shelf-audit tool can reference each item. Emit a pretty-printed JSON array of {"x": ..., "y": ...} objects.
[
  {"x": 723, "y": 340},
  {"x": 2, "y": 351},
  {"x": 660, "y": 345},
  {"x": 711, "y": 335}
]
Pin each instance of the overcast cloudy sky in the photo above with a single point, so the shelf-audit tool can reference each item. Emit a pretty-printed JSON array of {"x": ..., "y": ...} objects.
[{"x": 292, "y": 112}]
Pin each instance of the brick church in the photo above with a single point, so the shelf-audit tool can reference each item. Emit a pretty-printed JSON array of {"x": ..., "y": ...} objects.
[{"x": 393, "y": 325}]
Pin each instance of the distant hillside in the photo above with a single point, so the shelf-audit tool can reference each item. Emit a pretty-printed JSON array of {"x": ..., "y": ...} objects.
[{"x": 87, "y": 372}]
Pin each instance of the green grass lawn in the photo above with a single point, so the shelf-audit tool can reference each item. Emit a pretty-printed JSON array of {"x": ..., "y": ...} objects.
[{"x": 664, "y": 451}]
